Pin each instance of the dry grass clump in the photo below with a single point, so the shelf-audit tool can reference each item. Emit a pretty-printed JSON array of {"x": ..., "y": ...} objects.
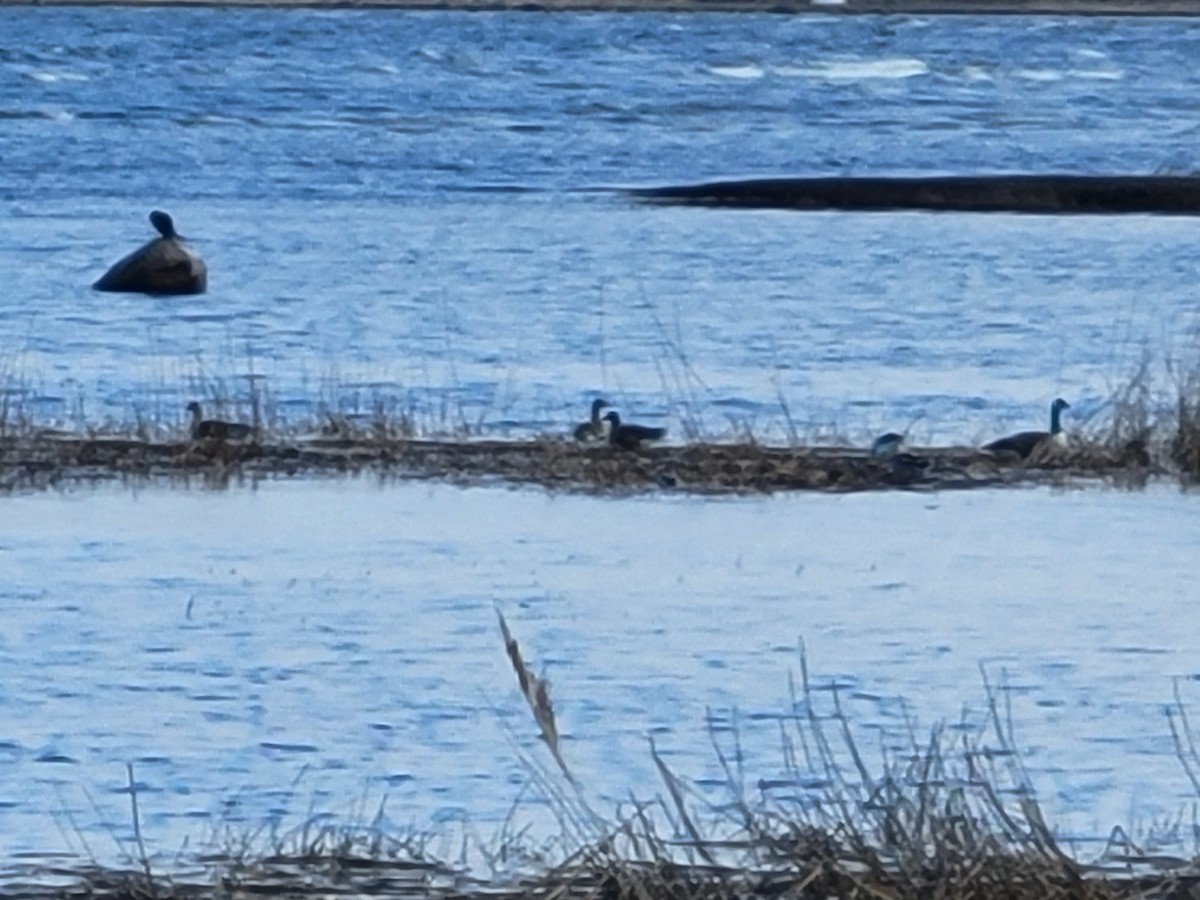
[
  {"x": 953, "y": 815},
  {"x": 1185, "y": 445},
  {"x": 944, "y": 818},
  {"x": 1145, "y": 429},
  {"x": 950, "y": 815}
]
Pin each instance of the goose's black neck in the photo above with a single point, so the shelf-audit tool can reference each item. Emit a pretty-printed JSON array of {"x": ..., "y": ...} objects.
[{"x": 163, "y": 223}]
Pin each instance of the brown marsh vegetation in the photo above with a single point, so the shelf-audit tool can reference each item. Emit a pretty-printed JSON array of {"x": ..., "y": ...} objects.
[
  {"x": 950, "y": 813},
  {"x": 1142, "y": 433}
]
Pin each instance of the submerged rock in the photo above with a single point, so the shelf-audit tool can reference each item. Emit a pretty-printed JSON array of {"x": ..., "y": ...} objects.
[{"x": 165, "y": 265}]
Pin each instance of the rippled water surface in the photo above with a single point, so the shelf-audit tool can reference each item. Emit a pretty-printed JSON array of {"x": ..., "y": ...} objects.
[
  {"x": 261, "y": 654},
  {"x": 414, "y": 210},
  {"x": 402, "y": 207}
]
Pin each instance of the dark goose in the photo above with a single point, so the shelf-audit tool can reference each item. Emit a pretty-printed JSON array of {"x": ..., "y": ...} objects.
[
  {"x": 1025, "y": 442},
  {"x": 214, "y": 429},
  {"x": 629, "y": 436}
]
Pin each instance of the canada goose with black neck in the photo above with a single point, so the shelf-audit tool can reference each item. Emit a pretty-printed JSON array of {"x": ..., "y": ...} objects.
[
  {"x": 1024, "y": 443},
  {"x": 593, "y": 428},
  {"x": 214, "y": 429},
  {"x": 165, "y": 265},
  {"x": 628, "y": 436}
]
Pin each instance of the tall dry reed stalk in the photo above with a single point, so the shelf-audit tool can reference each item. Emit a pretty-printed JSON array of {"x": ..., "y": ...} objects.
[{"x": 537, "y": 694}]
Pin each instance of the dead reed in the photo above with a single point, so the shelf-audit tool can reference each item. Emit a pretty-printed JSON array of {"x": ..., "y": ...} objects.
[{"x": 948, "y": 813}]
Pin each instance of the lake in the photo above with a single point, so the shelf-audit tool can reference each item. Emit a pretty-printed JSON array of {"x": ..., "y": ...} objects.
[{"x": 414, "y": 212}]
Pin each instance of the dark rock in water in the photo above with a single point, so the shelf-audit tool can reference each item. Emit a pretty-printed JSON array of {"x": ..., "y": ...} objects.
[
  {"x": 163, "y": 266},
  {"x": 1048, "y": 194}
]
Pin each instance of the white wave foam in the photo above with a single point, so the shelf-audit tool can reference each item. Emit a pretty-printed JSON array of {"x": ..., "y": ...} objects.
[
  {"x": 52, "y": 77},
  {"x": 977, "y": 73},
  {"x": 1097, "y": 74},
  {"x": 859, "y": 69},
  {"x": 1038, "y": 74},
  {"x": 745, "y": 72}
]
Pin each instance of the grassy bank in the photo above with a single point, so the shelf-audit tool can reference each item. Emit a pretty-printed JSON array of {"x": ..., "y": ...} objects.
[
  {"x": 40, "y": 462},
  {"x": 1149, "y": 428}
]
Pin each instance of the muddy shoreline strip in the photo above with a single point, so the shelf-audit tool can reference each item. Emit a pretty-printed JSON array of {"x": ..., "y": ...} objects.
[
  {"x": 1119, "y": 8},
  {"x": 553, "y": 463},
  {"x": 1058, "y": 194}
]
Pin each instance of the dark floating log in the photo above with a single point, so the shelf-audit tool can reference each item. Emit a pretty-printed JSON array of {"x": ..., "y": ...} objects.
[{"x": 1089, "y": 194}]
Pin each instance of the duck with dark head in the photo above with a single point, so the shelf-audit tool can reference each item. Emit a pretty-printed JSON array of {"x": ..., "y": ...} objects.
[
  {"x": 203, "y": 429},
  {"x": 165, "y": 265}
]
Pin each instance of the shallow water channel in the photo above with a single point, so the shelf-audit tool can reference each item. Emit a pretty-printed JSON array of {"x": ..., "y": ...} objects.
[{"x": 264, "y": 654}]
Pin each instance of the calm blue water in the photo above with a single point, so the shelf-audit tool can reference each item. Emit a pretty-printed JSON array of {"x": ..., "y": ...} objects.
[{"x": 399, "y": 208}]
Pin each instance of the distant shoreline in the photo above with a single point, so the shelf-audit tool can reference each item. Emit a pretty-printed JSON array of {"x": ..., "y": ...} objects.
[{"x": 1121, "y": 8}]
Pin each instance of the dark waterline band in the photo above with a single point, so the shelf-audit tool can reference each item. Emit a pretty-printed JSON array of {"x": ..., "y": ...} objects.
[{"x": 1046, "y": 194}]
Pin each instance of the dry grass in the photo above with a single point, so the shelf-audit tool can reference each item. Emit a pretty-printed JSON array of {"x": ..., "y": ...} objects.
[
  {"x": 1144, "y": 430},
  {"x": 949, "y": 814}
]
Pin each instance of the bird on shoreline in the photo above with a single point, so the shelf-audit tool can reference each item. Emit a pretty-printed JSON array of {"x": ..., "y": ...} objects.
[
  {"x": 214, "y": 429},
  {"x": 593, "y": 429},
  {"x": 628, "y": 436},
  {"x": 893, "y": 448},
  {"x": 1023, "y": 443},
  {"x": 888, "y": 445}
]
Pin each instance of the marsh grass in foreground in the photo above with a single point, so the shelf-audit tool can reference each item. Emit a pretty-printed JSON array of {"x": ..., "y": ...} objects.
[{"x": 947, "y": 814}]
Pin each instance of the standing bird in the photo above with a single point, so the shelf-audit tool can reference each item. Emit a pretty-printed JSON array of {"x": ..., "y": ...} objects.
[
  {"x": 593, "y": 429},
  {"x": 1025, "y": 442},
  {"x": 628, "y": 436},
  {"x": 215, "y": 429}
]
